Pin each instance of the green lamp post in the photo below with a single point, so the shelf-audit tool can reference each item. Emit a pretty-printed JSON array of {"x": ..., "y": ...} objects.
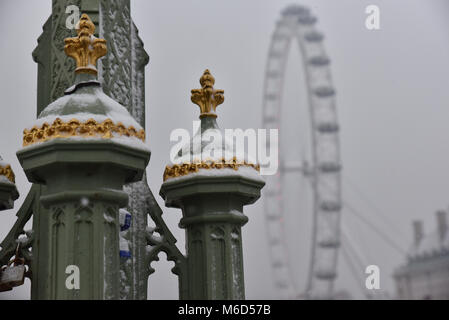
[
  {"x": 8, "y": 190},
  {"x": 122, "y": 76},
  {"x": 84, "y": 148},
  {"x": 211, "y": 186}
]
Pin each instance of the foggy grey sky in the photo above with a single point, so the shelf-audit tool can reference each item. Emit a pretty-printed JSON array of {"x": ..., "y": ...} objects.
[{"x": 392, "y": 94}]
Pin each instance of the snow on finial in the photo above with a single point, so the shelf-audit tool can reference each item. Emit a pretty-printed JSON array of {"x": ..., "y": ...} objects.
[
  {"x": 207, "y": 98},
  {"x": 86, "y": 49}
]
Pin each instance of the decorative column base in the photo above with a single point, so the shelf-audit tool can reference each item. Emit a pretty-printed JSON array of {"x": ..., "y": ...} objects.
[
  {"x": 84, "y": 228},
  {"x": 84, "y": 192},
  {"x": 213, "y": 216}
]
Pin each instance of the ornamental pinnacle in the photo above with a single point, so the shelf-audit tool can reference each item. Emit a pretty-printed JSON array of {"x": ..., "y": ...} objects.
[
  {"x": 86, "y": 49},
  {"x": 207, "y": 98},
  {"x": 8, "y": 173}
]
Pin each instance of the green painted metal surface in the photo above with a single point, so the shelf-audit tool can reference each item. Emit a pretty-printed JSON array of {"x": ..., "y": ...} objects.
[
  {"x": 66, "y": 173},
  {"x": 213, "y": 216},
  {"x": 8, "y": 194},
  {"x": 84, "y": 178},
  {"x": 212, "y": 208},
  {"x": 122, "y": 74},
  {"x": 83, "y": 199}
]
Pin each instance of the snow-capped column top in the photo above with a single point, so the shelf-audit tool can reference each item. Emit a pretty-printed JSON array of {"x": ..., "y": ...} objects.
[
  {"x": 85, "y": 112},
  {"x": 218, "y": 157},
  {"x": 86, "y": 49}
]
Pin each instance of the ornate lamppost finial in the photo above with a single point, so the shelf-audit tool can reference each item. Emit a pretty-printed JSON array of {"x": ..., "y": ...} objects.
[
  {"x": 207, "y": 98},
  {"x": 7, "y": 172},
  {"x": 86, "y": 49},
  {"x": 8, "y": 194},
  {"x": 84, "y": 148}
]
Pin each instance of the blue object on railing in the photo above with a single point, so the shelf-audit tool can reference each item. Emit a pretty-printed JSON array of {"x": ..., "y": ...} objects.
[
  {"x": 125, "y": 220},
  {"x": 125, "y": 254}
]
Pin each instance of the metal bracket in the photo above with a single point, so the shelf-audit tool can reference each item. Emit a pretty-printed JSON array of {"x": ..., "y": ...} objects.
[
  {"x": 167, "y": 244},
  {"x": 9, "y": 244}
]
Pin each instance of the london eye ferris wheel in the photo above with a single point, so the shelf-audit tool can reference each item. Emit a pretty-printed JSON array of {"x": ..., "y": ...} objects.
[{"x": 316, "y": 167}]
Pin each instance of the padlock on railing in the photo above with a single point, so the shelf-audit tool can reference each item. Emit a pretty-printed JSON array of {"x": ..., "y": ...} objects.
[{"x": 13, "y": 275}]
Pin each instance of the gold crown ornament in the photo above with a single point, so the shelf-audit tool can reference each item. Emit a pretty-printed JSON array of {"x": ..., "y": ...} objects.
[
  {"x": 207, "y": 98},
  {"x": 86, "y": 49}
]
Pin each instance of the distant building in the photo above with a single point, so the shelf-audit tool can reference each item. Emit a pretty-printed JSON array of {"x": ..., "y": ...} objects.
[{"x": 426, "y": 273}]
